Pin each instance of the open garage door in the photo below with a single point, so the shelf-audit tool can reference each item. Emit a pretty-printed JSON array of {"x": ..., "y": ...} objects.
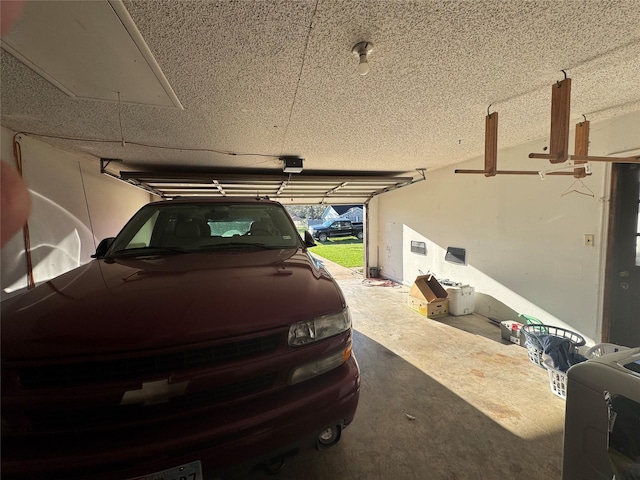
[{"x": 308, "y": 188}]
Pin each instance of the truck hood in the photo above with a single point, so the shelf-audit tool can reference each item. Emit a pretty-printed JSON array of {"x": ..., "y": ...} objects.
[{"x": 109, "y": 306}]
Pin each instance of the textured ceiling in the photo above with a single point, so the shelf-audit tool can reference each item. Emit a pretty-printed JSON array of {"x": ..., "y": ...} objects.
[{"x": 268, "y": 78}]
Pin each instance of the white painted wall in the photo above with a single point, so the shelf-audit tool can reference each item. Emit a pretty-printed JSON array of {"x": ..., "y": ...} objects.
[
  {"x": 74, "y": 207},
  {"x": 523, "y": 236}
]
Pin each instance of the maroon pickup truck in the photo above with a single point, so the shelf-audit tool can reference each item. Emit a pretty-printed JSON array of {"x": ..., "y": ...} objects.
[{"x": 202, "y": 340}]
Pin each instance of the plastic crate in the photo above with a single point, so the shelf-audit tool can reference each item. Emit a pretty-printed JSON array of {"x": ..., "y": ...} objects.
[
  {"x": 600, "y": 349},
  {"x": 557, "y": 378},
  {"x": 534, "y": 346}
]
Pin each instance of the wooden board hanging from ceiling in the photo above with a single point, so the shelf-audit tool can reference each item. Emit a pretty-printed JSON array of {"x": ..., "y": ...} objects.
[
  {"x": 560, "y": 117},
  {"x": 581, "y": 147}
]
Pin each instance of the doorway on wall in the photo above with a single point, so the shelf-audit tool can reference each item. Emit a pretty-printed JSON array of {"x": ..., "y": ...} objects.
[{"x": 621, "y": 316}]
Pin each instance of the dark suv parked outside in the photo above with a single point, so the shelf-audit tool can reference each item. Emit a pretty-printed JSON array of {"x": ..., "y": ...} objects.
[{"x": 204, "y": 336}]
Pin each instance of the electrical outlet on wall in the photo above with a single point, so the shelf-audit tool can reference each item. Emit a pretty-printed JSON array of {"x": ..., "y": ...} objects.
[{"x": 588, "y": 239}]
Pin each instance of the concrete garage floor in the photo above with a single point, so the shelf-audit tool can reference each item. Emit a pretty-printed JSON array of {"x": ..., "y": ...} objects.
[{"x": 441, "y": 399}]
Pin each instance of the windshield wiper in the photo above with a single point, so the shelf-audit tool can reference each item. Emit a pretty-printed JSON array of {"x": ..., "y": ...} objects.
[
  {"x": 147, "y": 251},
  {"x": 221, "y": 246}
]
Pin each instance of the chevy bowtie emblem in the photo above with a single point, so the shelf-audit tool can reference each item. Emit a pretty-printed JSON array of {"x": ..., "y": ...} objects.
[{"x": 153, "y": 393}]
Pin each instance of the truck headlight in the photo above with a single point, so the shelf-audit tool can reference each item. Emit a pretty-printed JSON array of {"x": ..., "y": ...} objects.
[
  {"x": 319, "y": 328},
  {"x": 313, "y": 369}
]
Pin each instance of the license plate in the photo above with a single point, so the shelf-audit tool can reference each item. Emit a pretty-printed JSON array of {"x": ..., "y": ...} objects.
[{"x": 188, "y": 471}]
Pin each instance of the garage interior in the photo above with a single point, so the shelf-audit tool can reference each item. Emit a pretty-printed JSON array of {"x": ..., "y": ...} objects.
[{"x": 107, "y": 105}]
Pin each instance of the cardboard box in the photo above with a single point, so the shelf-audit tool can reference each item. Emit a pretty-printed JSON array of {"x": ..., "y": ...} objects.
[
  {"x": 511, "y": 334},
  {"x": 426, "y": 287},
  {"x": 435, "y": 309},
  {"x": 418, "y": 305},
  {"x": 427, "y": 297},
  {"x": 438, "y": 308}
]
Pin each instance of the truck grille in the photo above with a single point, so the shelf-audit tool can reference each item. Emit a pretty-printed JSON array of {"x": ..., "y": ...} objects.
[
  {"x": 117, "y": 416},
  {"x": 86, "y": 373}
]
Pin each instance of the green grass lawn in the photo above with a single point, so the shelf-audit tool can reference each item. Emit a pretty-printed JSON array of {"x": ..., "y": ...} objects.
[{"x": 348, "y": 252}]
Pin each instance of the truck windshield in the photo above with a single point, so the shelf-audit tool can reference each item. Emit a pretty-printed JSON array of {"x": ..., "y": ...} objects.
[
  {"x": 328, "y": 223},
  {"x": 166, "y": 228}
]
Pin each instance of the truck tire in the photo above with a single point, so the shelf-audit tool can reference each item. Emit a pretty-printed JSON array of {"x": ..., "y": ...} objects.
[
  {"x": 360, "y": 235},
  {"x": 322, "y": 237}
]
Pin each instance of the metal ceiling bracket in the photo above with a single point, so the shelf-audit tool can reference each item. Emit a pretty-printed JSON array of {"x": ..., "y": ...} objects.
[
  {"x": 399, "y": 185},
  {"x": 104, "y": 163},
  {"x": 282, "y": 187},
  {"x": 219, "y": 187}
]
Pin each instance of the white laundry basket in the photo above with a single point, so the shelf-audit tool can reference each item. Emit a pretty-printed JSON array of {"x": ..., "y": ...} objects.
[{"x": 600, "y": 349}]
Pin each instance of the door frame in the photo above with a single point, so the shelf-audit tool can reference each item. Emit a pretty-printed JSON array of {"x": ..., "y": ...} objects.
[
  {"x": 610, "y": 280},
  {"x": 609, "y": 263}
]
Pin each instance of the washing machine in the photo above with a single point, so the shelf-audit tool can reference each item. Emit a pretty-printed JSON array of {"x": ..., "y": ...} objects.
[{"x": 602, "y": 419}]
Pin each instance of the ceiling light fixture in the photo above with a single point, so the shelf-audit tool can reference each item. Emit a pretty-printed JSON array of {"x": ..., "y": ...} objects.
[
  {"x": 292, "y": 164},
  {"x": 363, "y": 49}
]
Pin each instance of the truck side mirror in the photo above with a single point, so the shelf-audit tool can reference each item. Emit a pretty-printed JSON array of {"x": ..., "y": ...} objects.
[
  {"x": 103, "y": 246},
  {"x": 308, "y": 239}
]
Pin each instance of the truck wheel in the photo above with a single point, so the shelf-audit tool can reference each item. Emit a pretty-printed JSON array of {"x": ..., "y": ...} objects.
[
  {"x": 359, "y": 235},
  {"x": 322, "y": 237}
]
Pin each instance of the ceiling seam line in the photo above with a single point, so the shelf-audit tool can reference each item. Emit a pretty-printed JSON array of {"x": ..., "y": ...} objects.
[
  {"x": 149, "y": 145},
  {"x": 295, "y": 93}
]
